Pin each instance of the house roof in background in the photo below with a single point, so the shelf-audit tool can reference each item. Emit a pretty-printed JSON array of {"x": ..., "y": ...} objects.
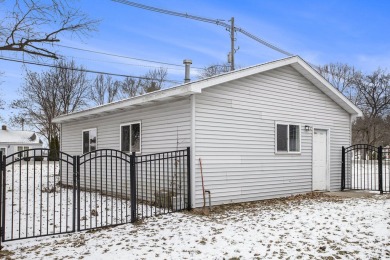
[
  {"x": 19, "y": 137},
  {"x": 194, "y": 87}
]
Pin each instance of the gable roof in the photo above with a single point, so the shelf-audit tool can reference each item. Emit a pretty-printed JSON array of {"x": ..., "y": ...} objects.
[
  {"x": 19, "y": 137},
  {"x": 194, "y": 87}
]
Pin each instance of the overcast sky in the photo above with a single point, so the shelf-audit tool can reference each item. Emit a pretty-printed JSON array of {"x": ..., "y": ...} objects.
[{"x": 349, "y": 31}]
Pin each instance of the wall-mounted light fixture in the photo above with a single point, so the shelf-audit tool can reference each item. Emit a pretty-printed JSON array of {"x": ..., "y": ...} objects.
[{"x": 308, "y": 128}]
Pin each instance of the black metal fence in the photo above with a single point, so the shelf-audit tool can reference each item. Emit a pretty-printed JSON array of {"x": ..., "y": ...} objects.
[
  {"x": 365, "y": 167},
  {"x": 106, "y": 187}
]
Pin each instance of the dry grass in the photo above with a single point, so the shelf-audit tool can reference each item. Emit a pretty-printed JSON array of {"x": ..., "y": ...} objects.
[{"x": 267, "y": 204}]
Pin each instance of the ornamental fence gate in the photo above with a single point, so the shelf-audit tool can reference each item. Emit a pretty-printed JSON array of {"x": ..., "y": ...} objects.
[
  {"x": 45, "y": 192},
  {"x": 365, "y": 167}
]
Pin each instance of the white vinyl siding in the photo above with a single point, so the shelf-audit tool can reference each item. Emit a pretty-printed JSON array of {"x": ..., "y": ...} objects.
[
  {"x": 235, "y": 136},
  {"x": 165, "y": 127},
  {"x": 235, "y": 133}
]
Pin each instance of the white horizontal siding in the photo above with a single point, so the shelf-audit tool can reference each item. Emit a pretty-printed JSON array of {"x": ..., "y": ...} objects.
[
  {"x": 235, "y": 136},
  {"x": 165, "y": 127}
]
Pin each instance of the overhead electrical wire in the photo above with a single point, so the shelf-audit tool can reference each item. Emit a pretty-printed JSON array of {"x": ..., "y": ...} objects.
[
  {"x": 206, "y": 20},
  {"x": 122, "y": 56},
  {"x": 116, "y": 62},
  {"x": 83, "y": 70}
]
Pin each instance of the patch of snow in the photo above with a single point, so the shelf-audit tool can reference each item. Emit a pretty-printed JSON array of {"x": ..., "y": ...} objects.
[{"x": 311, "y": 229}]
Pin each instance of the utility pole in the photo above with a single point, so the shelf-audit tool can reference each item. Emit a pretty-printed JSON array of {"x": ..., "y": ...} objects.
[
  {"x": 232, "y": 44},
  {"x": 213, "y": 21}
]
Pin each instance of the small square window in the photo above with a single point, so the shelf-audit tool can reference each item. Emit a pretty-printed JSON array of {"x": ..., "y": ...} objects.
[{"x": 288, "y": 138}]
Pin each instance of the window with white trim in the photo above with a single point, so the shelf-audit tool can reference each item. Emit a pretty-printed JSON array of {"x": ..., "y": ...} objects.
[
  {"x": 288, "y": 138},
  {"x": 23, "y": 148},
  {"x": 89, "y": 140},
  {"x": 131, "y": 137}
]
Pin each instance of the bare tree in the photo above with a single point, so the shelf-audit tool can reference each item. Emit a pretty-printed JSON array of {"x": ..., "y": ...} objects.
[
  {"x": 130, "y": 87},
  {"x": 32, "y": 24},
  {"x": 154, "y": 80},
  {"x": 18, "y": 121},
  {"x": 374, "y": 90},
  {"x": 371, "y": 93},
  {"x": 2, "y": 103},
  {"x": 47, "y": 95},
  {"x": 73, "y": 86},
  {"x": 374, "y": 101},
  {"x": 104, "y": 90},
  {"x": 343, "y": 77},
  {"x": 213, "y": 70}
]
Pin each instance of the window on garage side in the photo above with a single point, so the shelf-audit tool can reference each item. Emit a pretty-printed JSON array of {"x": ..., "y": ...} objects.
[
  {"x": 288, "y": 138},
  {"x": 89, "y": 140},
  {"x": 131, "y": 137}
]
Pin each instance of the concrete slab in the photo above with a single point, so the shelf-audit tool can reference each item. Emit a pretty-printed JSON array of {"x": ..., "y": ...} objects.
[{"x": 353, "y": 194}]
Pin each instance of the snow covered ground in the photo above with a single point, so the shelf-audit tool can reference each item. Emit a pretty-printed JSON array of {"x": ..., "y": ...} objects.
[
  {"x": 363, "y": 174},
  {"x": 37, "y": 204},
  {"x": 301, "y": 227}
]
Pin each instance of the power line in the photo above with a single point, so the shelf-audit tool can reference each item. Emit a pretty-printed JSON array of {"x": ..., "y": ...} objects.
[
  {"x": 184, "y": 15},
  {"x": 83, "y": 70},
  {"x": 121, "y": 56},
  {"x": 116, "y": 62},
  {"x": 219, "y": 22}
]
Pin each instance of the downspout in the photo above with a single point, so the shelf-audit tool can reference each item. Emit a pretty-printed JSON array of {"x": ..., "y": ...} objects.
[
  {"x": 61, "y": 137},
  {"x": 350, "y": 128}
]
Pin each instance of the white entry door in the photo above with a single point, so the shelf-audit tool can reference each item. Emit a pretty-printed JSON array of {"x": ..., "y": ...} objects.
[{"x": 320, "y": 160}]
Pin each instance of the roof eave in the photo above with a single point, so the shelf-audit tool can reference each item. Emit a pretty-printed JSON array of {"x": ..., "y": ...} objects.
[{"x": 150, "y": 98}]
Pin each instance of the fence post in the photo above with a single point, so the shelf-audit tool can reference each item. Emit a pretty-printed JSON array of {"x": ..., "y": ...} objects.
[
  {"x": 74, "y": 192},
  {"x": 133, "y": 187},
  {"x": 342, "y": 168},
  {"x": 380, "y": 169},
  {"x": 1, "y": 197},
  {"x": 3, "y": 187},
  {"x": 78, "y": 191},
  {"x": 189, "y": 178}
]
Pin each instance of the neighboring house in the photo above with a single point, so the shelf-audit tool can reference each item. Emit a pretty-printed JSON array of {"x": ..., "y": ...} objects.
[
  {"x": 261, "y": 132},
  {"x": 12, "y": 141}
]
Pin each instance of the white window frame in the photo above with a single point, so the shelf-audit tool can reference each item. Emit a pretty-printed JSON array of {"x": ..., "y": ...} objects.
[
  {"x": 140, "y": 136},
  {"x": 23, "y": 149},
  {"x": 82, "y": 138},
  {"x": 288, "y": 138}
]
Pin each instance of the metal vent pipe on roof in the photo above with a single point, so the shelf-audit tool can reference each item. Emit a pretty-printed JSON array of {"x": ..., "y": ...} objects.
[{"x": 187, "y": 64}]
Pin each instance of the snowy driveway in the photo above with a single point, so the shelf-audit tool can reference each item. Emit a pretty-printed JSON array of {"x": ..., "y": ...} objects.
[{"x": 302, "y": 227}]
